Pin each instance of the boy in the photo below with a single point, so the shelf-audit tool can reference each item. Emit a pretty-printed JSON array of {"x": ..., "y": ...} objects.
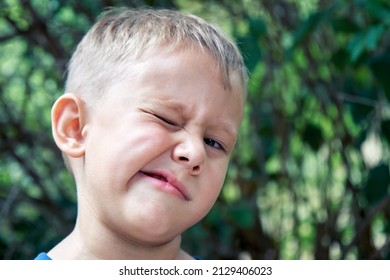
[{"x": 153, "y": 105}]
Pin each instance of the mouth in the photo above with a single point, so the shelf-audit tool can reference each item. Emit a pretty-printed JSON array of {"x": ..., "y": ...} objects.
[
  {"x": 166, "y": 182},
  {"x": 158, "y": 177}
]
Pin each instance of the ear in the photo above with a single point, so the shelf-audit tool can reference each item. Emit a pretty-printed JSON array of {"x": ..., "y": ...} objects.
[{"x": 68, "y": 124}]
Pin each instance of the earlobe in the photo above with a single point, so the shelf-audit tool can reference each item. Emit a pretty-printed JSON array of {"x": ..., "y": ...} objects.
[{"x": 68, "y": 124}]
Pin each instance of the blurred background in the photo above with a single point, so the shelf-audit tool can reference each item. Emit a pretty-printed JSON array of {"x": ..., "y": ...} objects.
[{"x": 310, "y": 176}]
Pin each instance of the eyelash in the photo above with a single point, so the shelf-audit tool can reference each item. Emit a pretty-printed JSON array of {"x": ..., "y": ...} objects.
[
  {"x": 208, "y": 141},
  {"x": 167, "y": 121},
  {"x": 212, "y": 142}
]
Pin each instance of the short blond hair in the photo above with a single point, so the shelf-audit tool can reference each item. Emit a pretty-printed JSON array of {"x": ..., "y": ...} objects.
[{"x": 120, "y": 36}]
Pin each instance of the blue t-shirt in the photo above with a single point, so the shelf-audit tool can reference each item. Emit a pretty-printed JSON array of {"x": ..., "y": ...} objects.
[{"x": 43, "y": 257}]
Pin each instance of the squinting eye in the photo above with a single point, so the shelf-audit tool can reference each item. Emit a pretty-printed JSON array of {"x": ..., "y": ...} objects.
[
  {"x": 166, "y": 121},
  {"x": 214, "y": 144}
]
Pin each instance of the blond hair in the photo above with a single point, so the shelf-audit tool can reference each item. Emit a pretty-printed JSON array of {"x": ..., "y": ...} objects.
[{"x": 121, "y": 36}]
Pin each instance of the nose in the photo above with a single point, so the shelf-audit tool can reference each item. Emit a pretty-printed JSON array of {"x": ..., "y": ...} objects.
[{"x": 190, "y": 152}]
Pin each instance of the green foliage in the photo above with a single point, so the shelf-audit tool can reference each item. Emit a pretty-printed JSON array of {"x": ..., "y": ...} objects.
[
  {"x": 310, "y": 176},
  {"x": 377, "y": 186}
]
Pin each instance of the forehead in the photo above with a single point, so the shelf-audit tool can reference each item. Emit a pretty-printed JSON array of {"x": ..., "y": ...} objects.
[
  {"x": 190, "y": 55},
  {"x": 185, "y": 81},
  {"x": 184, "y": 67},
  {"x": 226, "y": 72}
]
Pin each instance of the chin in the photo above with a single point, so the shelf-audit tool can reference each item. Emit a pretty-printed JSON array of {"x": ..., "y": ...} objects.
[
  {"x": 154, "y": 232},
  {"x": 153, "y": 239},
  {"x": 162, "y": 235}
]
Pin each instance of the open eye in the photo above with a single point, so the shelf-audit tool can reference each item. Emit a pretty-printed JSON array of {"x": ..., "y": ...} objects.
[{"x": 214, "y": 144}]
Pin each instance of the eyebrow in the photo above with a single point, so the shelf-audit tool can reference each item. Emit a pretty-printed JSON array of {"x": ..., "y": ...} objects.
[
  {"x": 228, "y": 129},
  {"x": 171, "y": 105},
  {"x": 168, "y": 104}
]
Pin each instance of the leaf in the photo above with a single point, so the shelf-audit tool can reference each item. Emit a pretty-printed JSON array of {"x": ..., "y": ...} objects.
[
  {"x": 366, "y": 40},
  {"x": 362, "y": 100},
  {"x": 356, "y": 46},
  {"x": 344, "y": 25},
  {"x": 379, "y": 9},
  {"x": 377, "y": 185},
  {"x": 249, "y": 44},
  {"x": 373, "y": 35},
  {"x": 312, "y": 135},
  {"x": 251, "y": 51},
  {"x": 242, "y": 215},
  {"x": 385, "y": 127},
  {"x": 360, "y": 112},
  {"x": 380, "y": 66},
  {"x": 309, "y": 25},
  {"x": 257, "y": 27},
  {"x": 340, "y": 59}
]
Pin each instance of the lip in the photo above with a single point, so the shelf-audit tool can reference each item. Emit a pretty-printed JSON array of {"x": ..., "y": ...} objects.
[{"x": 167, "y": 182}]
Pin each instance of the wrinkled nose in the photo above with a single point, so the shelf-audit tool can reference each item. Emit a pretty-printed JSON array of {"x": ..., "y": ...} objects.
[{"x": 190, "y": 153}]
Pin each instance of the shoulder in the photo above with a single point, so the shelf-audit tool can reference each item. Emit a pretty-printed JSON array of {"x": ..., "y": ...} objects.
[{"x": 42, "y": 257}]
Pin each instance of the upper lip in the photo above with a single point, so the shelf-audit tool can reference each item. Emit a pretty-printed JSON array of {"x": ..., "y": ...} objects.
[{"x": 170, "y": 178}]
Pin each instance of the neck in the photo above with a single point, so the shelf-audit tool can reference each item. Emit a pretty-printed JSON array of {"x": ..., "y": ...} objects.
[{"x": 92, "y": 244}]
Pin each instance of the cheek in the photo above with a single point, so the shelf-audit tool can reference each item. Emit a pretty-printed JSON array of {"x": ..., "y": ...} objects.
[
  {"x": 123, "y": 150},
  {"x": 114, "y": 155},
  {"x": 213, "y": 181}
]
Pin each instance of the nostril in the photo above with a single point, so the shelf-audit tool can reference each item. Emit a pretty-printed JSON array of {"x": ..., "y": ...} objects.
[
  {"x": 183, "y": 159},
  {"x": 196, "y": 168}
]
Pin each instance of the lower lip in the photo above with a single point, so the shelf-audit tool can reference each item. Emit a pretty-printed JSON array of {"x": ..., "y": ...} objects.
[{"x": 165, "y": 186}]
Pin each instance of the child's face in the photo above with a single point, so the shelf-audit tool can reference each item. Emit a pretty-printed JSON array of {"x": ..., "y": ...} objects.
[{"x": 157, "y": 147}]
